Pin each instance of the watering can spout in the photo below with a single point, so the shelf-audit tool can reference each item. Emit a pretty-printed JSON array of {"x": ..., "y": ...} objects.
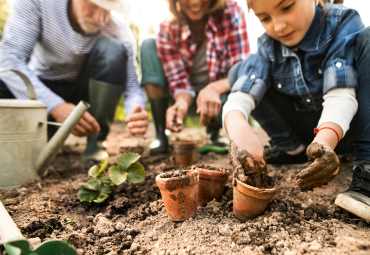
[{"x": 51, "y": 149}]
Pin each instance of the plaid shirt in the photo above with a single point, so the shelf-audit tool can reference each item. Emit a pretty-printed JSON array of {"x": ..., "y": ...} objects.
[{"x": 227, "y": 44}]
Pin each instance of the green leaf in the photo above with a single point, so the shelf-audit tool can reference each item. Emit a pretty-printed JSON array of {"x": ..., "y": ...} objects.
[
  {"x": 117, "y": 176},
  {"x": 104, "y": 194},
  {"x": 105, "y": 180},
  {"x": 86, "y": 195},
  {"x": 93, "y": 172},
  {"x": 135, "y": 173},
  {"x": 124, "y": 160},
  {"x": 93, "y": 185},
  {"x": 104, "y": 164}
]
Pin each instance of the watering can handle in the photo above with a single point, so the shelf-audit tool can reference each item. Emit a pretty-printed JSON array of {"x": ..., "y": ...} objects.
[{"x": 31, "y": 91}]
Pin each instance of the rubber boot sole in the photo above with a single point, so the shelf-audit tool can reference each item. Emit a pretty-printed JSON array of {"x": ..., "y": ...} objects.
[{"x": 355, "y": 203}]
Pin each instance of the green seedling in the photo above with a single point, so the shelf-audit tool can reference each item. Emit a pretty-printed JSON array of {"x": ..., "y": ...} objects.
[
  {"x": 71, "y": 221},
  {"x": 103, "y": 185}
]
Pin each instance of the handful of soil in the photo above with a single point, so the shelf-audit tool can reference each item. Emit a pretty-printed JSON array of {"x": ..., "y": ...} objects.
[
  {"x": 255, "y": 176},
  {"x": 174, "y": 121}
]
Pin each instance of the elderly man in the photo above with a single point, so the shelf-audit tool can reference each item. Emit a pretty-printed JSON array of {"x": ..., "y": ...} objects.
[{"x": 74, "y": 50}]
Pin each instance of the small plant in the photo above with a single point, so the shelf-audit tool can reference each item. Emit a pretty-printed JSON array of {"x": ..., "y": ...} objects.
[{"x": 103, "y": 185}]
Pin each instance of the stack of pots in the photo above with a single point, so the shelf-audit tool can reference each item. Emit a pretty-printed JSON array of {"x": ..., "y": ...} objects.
[
  {"x": 182, "y": 193},
  {"x": 183, "y": 190},
  {"x": 179, "y": 193},
  {"x": 211, "y": 184}
]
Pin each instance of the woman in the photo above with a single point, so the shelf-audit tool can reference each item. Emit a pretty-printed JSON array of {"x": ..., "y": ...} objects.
[{"x": 189, "y": 60}]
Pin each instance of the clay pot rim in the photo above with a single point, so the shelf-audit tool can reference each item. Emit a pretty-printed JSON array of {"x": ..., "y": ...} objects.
[
  {"x": 255, "y": 189},
  {"x": 194, "y": 167},
  {"x": 195, "y": 173},
  {"x": 185, "y": 142},
  {"x": 213, "y": 175}
]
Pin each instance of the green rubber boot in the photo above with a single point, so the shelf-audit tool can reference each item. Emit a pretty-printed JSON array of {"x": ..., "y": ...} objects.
[
  {"x": 103, "y": 98},
  {"x": 160, "y": 143}
]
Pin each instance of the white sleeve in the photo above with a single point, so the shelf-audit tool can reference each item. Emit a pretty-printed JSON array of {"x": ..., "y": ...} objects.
[
  {"x": 339, "y": 107},
  {"x": 238, "y": 101}
]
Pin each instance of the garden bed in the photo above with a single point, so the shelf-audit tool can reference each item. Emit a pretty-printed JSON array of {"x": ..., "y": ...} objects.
[{"x": 135, "y": 220}]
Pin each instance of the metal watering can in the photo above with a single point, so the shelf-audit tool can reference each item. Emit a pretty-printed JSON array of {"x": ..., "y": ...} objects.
[{"x": 24, "y": 151}]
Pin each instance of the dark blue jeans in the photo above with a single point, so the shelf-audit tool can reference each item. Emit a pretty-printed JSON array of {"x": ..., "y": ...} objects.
[
  {"x": 107, "y": 62},
  {"x": 289, "y": 128}
]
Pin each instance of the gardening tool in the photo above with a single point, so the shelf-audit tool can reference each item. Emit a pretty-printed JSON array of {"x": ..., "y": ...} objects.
[
  {"x": 24, "y": 151},
  {"x": 16, "y": 244}
]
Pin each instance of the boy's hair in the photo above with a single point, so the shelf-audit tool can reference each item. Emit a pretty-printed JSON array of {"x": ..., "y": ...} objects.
[
  {"x": 318, "y": 2},
  {"x": 216, "y": 5}
]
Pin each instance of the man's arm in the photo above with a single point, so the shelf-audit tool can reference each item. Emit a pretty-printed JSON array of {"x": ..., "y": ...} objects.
[
  {"x": 21, "y": 33},
  {"x": 134, "y": 95}
]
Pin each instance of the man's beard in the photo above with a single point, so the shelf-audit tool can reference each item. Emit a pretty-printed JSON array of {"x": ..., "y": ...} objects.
[{"x": 90, "y": 26}]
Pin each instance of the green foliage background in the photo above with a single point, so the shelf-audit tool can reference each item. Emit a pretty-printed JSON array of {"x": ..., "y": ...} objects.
[{"x": 4, "y": 10}]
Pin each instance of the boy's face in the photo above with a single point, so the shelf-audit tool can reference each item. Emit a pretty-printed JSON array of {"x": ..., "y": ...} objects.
[{"x": 285, "y": 20}]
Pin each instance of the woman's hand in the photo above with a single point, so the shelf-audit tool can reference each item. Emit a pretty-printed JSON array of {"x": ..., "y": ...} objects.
[
  {"x": 137, "y": 122},
  {"x": 86, "y": 126},
  {"x": 209, "y": 102},
  {"x": 323, "y": 169},
  {"x": 176, "y": 114}
]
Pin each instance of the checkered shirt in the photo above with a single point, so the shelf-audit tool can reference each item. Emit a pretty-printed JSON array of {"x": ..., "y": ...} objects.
[{"x": 227, "y": 44}]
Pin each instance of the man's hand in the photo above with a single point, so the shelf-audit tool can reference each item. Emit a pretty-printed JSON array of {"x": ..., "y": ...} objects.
[
  {"x": 86, "y": 126},
  {"x": 323, "y": 169},
  {"x": 208, "y": 104},
  {"x": 176, "y": 114},
  {"x": 137, "y": 121}
]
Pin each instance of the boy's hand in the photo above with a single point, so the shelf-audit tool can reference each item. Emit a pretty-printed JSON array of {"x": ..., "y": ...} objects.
[
  {"x": 137, "y": 121},
  {"x": 323, "y": 169},
  {"x": 243, "y": 136}
]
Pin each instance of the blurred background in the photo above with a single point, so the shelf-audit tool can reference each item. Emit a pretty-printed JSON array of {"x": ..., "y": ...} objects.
[{"x": 146, "y": 15}]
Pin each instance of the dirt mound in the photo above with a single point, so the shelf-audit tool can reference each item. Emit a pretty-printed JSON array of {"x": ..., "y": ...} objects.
[{"x": 135, "y": 221}]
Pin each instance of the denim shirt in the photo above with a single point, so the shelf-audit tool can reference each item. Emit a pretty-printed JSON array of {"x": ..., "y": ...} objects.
[{"x": 323, "y": 60}]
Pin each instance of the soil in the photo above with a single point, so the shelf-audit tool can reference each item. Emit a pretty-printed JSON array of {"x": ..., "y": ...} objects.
[
  {"x": 179, "y": 173},
  {"x": 208, "y": 167},
  {"x": 255, "y": 176},
  {"x": 174, "y": 122},
  {"x": 134, "y": 221}
]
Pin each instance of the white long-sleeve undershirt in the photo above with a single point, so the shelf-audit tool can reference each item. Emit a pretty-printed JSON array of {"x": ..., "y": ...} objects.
[{"x": 339, "y": 107}]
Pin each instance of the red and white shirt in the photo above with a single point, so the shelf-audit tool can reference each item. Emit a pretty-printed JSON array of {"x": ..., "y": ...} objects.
[{"x": 227, "y": 44}]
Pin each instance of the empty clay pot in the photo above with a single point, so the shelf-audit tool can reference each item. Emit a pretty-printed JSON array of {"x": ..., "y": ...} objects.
[
  {"x": 211, "y": 184},
  {"x": 184, "y": 152},
  {"x": 250, "y": 202},
  {"x": 179, "y": 194}
]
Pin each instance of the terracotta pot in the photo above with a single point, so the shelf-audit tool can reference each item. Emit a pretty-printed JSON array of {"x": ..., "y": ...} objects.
[
  {"x": 184, "y": 152},
  {"x": 179, "y": 194},
  {"x": 250, "y": 202},
  {"x": 211, "y": 184},
  {"x": 139, "y": 150}
]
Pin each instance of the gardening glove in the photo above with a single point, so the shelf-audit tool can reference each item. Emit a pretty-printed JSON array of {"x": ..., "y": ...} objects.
[
  {"x": 246, "y": 168},
  {"x": 323, "y": 169}
]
